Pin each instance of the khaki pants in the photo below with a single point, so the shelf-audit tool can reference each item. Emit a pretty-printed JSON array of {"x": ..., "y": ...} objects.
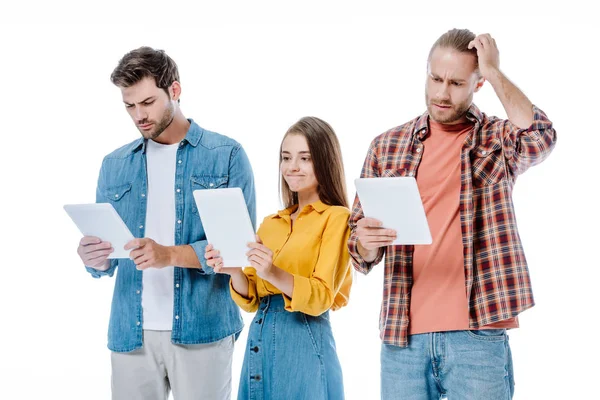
[{"x": 199, "y": 371}]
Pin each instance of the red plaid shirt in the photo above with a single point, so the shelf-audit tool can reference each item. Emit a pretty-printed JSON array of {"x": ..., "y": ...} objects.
[{"x": 496, "y": 276}]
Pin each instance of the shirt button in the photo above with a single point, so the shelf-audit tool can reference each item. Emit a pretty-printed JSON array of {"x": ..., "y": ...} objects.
[
  {"x": 255, "y": 349},
  {"x": 141, "y": 226},
  {"x": 483, "y": 152},
  {"x": 178, "y": 190},
  {"x": 411, "y": 173},
  {"x": 137, "y": 292},
  {"x": 181, "y": 143},
  {"x": 178, "y": 221},
  {"x": 138, "y": 323},
  {"x": 211, "y": 184},
  {"x": 177, "y": 285},
  {"x": 116, "y": 196},
  {"x": 143, "y": 195},
  {"x": 177, "y": 317},
  {"x": 418, "y": 149},
  {"x": 179, "y": 162}
]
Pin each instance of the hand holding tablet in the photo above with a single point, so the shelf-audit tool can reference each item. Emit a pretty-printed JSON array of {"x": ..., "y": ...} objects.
[
  {"x": 226, "y": 222},
  {"x": 397, "y": 204},
  {"x": 102, "y": 221}
]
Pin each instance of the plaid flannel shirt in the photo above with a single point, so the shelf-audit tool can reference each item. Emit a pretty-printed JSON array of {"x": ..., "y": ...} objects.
[{"x": 497, "y": 280}]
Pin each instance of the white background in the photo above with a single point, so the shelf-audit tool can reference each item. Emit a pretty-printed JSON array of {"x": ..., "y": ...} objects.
[{"x": 250, "y": 70}]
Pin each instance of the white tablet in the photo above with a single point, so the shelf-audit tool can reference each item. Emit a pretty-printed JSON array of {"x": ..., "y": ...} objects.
[
  {"x": 103, "y": 221},
  {"x": 226, "y": 222},
  {"x": 396, "y": 202}
]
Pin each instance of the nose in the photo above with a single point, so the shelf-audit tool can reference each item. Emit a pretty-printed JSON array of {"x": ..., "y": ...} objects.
[
  {"x": 443, "y": 93},
  {"x": 140, "y": 114}
]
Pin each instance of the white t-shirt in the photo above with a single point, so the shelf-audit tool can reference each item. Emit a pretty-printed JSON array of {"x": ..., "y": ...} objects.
[{"x": 157, "y": 283}]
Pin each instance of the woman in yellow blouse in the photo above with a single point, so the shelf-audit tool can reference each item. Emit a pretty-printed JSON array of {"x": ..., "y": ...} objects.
[{"x": 299, "y": 270}]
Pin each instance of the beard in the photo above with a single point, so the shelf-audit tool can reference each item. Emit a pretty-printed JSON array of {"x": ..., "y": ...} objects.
[
  {"x": 161, "y": 125},
  {"x": 455, "y": 113}
]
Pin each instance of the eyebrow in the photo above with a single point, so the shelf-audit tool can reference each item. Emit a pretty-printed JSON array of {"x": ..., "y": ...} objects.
[
  {"x": 451, "y": 79},
  {"x": 300, "y": 152},
  {"x": 143, "y": 101}
]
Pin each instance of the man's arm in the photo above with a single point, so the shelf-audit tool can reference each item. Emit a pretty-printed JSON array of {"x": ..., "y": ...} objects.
[
  {"x": 367, "y": 239},
  {"x": 240, "y": 175},
  {"x": 528, "y": 136},
  {"x": 92, "y": 250}
]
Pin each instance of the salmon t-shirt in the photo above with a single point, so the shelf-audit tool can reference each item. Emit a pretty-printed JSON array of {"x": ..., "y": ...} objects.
[{"x": 438, "y": 296}]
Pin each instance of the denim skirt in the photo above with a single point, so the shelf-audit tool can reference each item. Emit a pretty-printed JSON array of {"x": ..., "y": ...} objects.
[{"x": 290, "y": 356}]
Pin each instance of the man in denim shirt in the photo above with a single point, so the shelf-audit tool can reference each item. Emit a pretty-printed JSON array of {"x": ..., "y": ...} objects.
[{"x": 173, "y": 322}]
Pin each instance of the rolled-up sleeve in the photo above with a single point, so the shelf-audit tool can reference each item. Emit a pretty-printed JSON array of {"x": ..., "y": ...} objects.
[
  {"x": 315, "y": 294},
  {"x": 369, "y": 170},
  {"x": 524, "y": 148},
  {"x": 250, "y": 303}
]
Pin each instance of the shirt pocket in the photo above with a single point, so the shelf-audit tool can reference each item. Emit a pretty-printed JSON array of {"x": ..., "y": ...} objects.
[
  {"x": 394, "y": 173},
  {"x": 116, "y": 193},
  {"x": 203, "y": 182},
  {"x": 119, "y": 196},
  {"x": 487, "y": 164}
]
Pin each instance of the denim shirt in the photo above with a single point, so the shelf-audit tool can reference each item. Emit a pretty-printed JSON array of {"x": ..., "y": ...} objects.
[{"x": 203, "y": 310}]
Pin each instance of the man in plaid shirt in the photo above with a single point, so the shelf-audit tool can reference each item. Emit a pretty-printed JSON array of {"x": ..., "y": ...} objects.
[{"x": 446, "y": 307}]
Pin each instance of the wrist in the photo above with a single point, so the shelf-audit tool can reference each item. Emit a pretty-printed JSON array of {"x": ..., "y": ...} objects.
[
  {"x": 173, "y": 255},
  {"x": 271, "y": 274},
  {"x": 493, "y": 76},
  {"x": 103, "y": 267},
  {"x": 367, "y": 255}
]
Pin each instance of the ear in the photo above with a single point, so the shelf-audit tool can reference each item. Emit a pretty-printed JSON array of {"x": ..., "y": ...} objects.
[
  {"x": 175, "y": 90},
  {"x": 479, "y": 84}
]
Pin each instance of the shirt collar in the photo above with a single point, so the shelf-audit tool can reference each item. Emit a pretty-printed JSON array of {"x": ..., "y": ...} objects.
[
  {"x": 193, "y": 136},
  {"x": 422, "y": 126},
  {"x": 317, "y": 206}
]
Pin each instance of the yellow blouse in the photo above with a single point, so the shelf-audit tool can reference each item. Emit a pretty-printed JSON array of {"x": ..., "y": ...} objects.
[{"x": 315, "y": 252}]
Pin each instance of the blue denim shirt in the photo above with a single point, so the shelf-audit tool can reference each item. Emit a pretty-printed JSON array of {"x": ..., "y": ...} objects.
[{"x": 203, "y": 310}]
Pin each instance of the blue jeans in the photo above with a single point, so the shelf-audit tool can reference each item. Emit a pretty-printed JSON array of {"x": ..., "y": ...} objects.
[
  {"x": 458, "y": 365},
  {"x": 290, "y": 356}
]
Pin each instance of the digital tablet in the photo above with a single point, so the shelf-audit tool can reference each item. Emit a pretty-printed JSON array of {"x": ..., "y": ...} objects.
[
  {"x": 396, "y": 202},
  {"x": 226, "y": 222},
  {"x": 103, "y": 221}
]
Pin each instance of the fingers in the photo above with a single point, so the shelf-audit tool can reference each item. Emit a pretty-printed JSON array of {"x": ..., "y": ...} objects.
[
  {"x": 373, "y": 238},
  {"x": 369, "y": 223},
  {"x": 218, "y": 265},
  {"x": 144, "y": 265},
  {"x": 211, "y": 254},
  {"x": 91, "y": 248},
  {"x": 372, "y": 245},
  {"x": 377, "y": 234},
  {"x": 264, "y": 253},
  {"x": 86, "y": 240},
  {"x": 214, "y": 259},
  {"x": 258, "y": 246},
  {"x": 144, "y": 253},
  {"x": 372, "y": 235},
  {"x": 136, "y": 243},
  {"x": 98, "y": 257},
  {"x": 215, "y": 262},
  {"x": 485, "y": 40},
  {"x": 476, "y": 44},
  {"x": 258, "y": 266},
  {"x": 261, "y": 260},
  {"x": 92, "y": 254}
]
